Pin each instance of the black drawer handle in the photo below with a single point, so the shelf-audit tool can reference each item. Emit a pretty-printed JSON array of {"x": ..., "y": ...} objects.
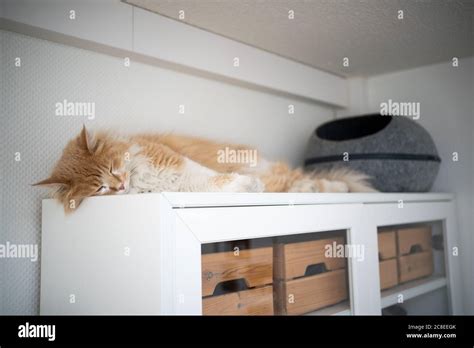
[
  {"x": 415, "y": 249},
  {"x": 229, "y": 286},
  {"x": 315, "y": 269}
]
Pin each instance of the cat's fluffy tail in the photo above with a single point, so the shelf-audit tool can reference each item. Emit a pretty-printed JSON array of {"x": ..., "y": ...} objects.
[{"x": 355, "y": 181}]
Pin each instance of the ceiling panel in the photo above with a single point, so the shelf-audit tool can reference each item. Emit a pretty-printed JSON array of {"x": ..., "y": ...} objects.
[{"x": 367, "y": 32}]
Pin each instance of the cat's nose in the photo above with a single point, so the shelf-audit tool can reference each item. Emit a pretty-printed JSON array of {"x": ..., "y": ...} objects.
[{"x": 121, "y": 187}]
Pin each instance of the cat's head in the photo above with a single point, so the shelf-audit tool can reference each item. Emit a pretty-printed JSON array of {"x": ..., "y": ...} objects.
[{"x": 91, "y": 165}]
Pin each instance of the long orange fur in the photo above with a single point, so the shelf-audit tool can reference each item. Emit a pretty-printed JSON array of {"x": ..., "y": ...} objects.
[{"x": 91, "y": 162}]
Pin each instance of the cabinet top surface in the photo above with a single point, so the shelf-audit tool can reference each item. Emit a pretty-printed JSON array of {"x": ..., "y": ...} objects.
[
  {"x": 212, "y": 199},
  {"x": 208, "y": 199}
]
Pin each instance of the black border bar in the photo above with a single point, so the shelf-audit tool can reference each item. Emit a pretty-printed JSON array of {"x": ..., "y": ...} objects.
[{"x": 241, "y": 330}]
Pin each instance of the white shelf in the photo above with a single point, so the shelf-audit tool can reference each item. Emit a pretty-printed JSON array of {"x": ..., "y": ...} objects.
[
  {"x": 218, "y": 199},
  {"x": 412, "y": 289},
  {"x": 390, "y": 296},
  {"x": 221, "y": 199},
  {"x": 341, "y": 308}
]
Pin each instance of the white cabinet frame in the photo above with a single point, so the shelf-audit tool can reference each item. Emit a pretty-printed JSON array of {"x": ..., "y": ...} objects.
[{"x": 182, "y": 222}]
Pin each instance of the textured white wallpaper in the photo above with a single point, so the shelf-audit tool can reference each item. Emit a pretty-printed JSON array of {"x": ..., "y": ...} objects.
[
  {"x": 445, "y": 94},
  {"x": 135, "y": 98}
]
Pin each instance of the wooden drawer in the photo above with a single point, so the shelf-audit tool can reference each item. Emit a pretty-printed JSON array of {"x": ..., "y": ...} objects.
[
  {"x": 387, "y": 245},
  {"x": 414, "y": 239},
  {"x": 308, "y": 294},
  {"x": 298, "y": 290},
  {"x": 253, "y": 266},
  {"x": 415, "y": 266},
  {"x": 388, "y": 273},
  {"x": 293, "y": 260},
  {"x": 248, "y": 302}
]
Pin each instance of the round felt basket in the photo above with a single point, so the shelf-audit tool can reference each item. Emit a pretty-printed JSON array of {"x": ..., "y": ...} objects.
[{"x": 396, "y": 152}]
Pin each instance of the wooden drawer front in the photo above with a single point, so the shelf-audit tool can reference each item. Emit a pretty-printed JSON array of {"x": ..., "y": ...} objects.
[
  {"x": 248, "y": 302},
  {"x": 387, "y": 245},
  {"x": 388, "y": 273},
  {"x": 292, "y": 260},
  {"x": 255, "y": 266},
  {"x": 417, "y": 237},
  {"x": 415, "y": 266},
  {"x": 308, "y": 294}
]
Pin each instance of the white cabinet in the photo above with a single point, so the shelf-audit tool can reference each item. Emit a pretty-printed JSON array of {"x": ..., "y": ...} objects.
[{"x": 142, "y": 254}]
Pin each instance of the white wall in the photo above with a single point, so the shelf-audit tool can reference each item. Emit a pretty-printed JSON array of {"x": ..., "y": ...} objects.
[
  {"x": 116, "y": 28},
  {"x": 138, "y": 98},
  {"x": 446, "y": 97}
]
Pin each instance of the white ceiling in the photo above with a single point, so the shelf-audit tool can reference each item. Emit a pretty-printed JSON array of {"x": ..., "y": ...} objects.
[{"x": 323, "y": 32}]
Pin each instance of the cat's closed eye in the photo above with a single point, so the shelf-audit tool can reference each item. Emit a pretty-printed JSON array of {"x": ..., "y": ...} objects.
[{"x": 102, "y": 189}]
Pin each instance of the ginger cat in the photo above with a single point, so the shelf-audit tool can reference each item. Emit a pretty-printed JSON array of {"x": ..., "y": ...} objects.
[{"x": 106, "y": 164}]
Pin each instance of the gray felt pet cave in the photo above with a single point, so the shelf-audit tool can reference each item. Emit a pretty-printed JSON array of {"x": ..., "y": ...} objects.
[{"x": 397, "y": 152}]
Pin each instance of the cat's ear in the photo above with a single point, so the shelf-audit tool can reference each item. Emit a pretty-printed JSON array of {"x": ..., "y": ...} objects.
[
  {"x": 52, "y": 182},
  {"x": 72, "y": 199},
  {"x": 70, "y": 204},
  {"x": 87, "y": 140}
]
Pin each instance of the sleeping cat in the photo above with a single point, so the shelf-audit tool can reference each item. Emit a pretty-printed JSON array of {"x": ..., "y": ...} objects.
[{"x": 107, "y": 164}]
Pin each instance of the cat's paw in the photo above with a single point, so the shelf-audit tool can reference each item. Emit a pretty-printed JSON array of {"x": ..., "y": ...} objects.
[
  {"x": 304, "y": 185},
  {"x": 132, "y": 191},
  {"x": 243, "y": 183},
  {"x": 333, "y": 186}
]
